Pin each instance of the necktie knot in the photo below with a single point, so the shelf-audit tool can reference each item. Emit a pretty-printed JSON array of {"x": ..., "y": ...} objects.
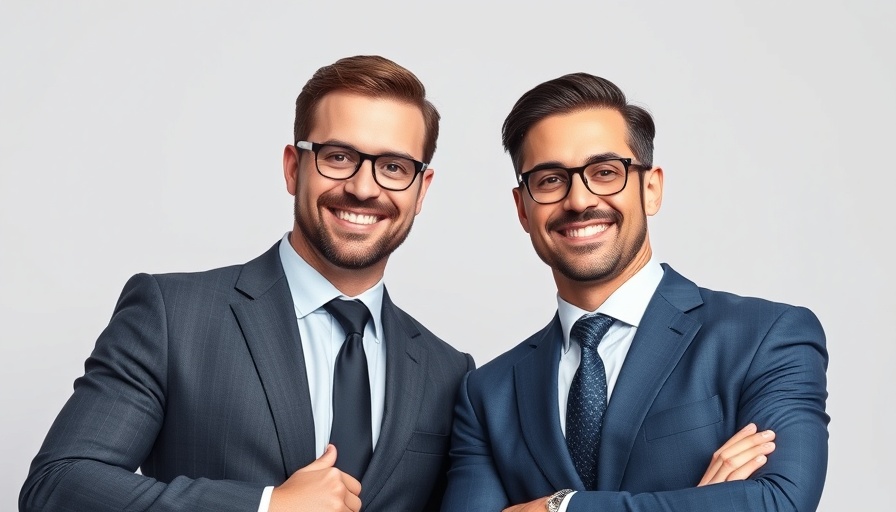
[
  {"x": 590, "y": 329},
  {"x": 352, "y": 315}
]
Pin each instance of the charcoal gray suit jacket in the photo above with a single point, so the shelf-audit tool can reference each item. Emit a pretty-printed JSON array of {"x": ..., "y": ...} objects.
[{"x": 199, "y": 380}]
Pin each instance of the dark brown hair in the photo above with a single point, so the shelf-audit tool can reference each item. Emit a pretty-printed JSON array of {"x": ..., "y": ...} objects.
[
  {"x": 569, "y": 93},
  {"x": 368, "y": 75}
]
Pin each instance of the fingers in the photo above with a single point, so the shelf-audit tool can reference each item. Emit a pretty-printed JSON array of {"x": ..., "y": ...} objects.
[
  {"x": 743, "y": 433},
  {"x": 319, "y": 486},
  {"x": 351, "y": 484},
  {"x": 748, "y": 468},
  {"x": 740, "y": 457},
  {"x": 352, "y": 498},
  {"x": 327, "y": 460},
  {"x": 353, "y": 502}
]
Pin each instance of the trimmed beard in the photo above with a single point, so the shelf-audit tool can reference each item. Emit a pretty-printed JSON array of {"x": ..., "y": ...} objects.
[
  {"x": 580, "y": 267},
  {"x": 342, "y": 255}
]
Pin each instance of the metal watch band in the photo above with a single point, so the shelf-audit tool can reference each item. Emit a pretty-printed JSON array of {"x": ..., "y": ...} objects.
[{"x": 556, "y": 499}]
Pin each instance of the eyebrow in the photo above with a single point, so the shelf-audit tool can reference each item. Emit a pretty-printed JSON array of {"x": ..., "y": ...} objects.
[
  {"x": 338, "y": 142},
  {"x": 588, "y": 161}
]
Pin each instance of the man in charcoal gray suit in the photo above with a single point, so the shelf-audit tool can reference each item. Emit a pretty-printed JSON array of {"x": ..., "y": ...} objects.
[{"x": 291, "y": 382}]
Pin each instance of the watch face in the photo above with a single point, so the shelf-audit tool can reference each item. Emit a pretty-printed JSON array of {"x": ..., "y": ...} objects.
[
  {"x": 556, "y": 499},
  {"x": 554, "y": 504}
]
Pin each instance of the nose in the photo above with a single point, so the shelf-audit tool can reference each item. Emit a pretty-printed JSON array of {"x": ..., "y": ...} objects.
[
  {"x": 362, "y": 185},
  {"x": 579, "y": 198}
]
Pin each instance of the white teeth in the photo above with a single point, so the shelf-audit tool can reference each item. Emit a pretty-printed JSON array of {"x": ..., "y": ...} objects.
[
  {"x": 355, "y": 218},
  {"x": 587, "y": 231}
]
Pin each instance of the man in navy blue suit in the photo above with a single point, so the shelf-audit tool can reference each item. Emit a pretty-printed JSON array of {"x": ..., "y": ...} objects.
[{"x": 620, "y": 401}]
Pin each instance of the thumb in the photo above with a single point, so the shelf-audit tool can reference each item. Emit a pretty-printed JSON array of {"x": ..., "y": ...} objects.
[{"x": 327, "y": 460}]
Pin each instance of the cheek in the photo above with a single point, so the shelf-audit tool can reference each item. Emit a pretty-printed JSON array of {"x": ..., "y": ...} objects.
[
  {"x": 409, "y": 209},
  {"x": 539, "y": 216},
  {"x": 408, "y": 202}
]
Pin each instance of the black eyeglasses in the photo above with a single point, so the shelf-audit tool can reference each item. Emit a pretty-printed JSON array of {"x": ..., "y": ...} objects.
[
  {"x": 550, "y": 184},
  {"x": 338, "y": 162}
]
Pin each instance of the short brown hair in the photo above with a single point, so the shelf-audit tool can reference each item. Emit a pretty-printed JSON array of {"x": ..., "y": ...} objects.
[
  {"x": 570, "y": 93},
  {"x": 368, "y": 75}
]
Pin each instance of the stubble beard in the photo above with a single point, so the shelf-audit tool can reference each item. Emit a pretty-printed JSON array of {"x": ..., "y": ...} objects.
[
  {"x": 582, "y": 264},
  {"x": 348, "y": 253}
]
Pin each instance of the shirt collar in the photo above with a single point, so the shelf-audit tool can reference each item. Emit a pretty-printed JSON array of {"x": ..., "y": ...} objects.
[
  {"x": 627, "y": 304},
  {"x": 310, "y": 290}
]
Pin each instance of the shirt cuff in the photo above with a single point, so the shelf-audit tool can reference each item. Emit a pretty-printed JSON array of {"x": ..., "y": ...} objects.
[
  {"x": 266, "y": 499},
  {"x": 563, "y": 504}
]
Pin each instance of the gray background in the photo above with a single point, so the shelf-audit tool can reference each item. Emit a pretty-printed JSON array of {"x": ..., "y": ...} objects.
[{"x": 148, "y": 137}]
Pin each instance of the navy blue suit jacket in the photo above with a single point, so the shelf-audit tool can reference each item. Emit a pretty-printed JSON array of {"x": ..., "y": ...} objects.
[
  {"x": 199, "y": 380},
  {"x": 701, "y": 366}
]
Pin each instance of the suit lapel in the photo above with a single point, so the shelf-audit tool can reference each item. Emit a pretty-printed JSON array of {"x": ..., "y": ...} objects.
[
  {"x": 268, "y": 323},
  {"x": 535, "y": 378},
  {"x": 662, "y": 338},
  {"x": 406, "y": 364}
]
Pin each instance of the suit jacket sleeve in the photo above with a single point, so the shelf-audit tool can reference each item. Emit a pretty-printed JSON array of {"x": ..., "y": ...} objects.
[
  {"x": 785, "y": 390},
  {"x": 473, "y": 480},
  {"x": 435, "y": 501},
  {"x": 109, "y": 425}
]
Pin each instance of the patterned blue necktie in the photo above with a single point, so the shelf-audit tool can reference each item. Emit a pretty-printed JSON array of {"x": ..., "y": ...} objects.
[{"x": 587, "y": 398}]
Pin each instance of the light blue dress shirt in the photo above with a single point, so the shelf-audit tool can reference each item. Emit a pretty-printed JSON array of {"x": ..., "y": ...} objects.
[
  {"x": 627, "y": 305},
  {"x": 322, "y": 337}
]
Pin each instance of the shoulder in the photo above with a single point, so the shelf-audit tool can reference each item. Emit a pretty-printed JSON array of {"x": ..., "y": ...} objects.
[
  {"x": 710, "y": 303},
  {"x": 501, "y": 368},
  {"x": 205, "y": 286},
  {"x": 753, "y": 310},
  {"x": 740, "y": 316},
  {"x": 189, "y": 285},
  {"x": 429, "y": 341}
]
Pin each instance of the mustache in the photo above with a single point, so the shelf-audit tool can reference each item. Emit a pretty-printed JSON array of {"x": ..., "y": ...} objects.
[
  {"x": 347, "y": 202},
  {"x": 570, "y": 218}
]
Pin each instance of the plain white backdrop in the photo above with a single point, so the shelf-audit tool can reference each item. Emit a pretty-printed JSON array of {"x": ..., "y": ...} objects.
[{"x": 147, "y": 137}]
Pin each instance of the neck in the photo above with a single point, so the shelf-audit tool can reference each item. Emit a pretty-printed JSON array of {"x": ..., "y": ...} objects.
[
  {"x": 349, "y": 281},
  {"x": 589, "y": 295}
]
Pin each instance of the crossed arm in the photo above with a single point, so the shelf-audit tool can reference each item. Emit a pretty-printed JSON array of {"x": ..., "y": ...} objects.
[
  {"x": 783, "y": 389},
  {"x": 735, "y": 460}
]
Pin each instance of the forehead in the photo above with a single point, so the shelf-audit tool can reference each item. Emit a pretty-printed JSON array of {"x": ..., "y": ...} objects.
[
  {"x": 570, "y": 139},
  {"x": 373, "y": 125}
]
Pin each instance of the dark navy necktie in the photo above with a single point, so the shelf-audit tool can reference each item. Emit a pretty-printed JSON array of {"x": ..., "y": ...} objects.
[
  {"x": 351, "y": 431},
  {"x": 587, "y": 398}
]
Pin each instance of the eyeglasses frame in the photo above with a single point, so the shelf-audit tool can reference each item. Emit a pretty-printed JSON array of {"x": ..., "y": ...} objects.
[
  {"x": 523, "y": 177},
  {"x": 314, "y": 147}
]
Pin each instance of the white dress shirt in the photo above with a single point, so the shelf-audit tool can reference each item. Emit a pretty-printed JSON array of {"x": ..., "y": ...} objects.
[
  {"x": 627, "y": 305},
  {"x": 322, "y": 337}
]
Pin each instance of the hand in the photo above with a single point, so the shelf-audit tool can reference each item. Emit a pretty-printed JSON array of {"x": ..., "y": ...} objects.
[
  {"x": 539, "y": 505},
  {"x": 740, "y": 456},
  {"x": 737, "y": 459},
  {"x": 318, "y": 487}
]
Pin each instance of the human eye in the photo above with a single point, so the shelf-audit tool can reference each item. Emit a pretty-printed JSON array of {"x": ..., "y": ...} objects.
[
  {"x": 548, "y": 179},
  {"x": 394, "y": 167},
  {"x": 605, "y": 171},
  {"x": 337, "y": 156}
]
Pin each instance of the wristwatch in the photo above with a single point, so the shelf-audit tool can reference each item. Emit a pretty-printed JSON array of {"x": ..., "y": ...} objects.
[{"x": 556, "y": 499}]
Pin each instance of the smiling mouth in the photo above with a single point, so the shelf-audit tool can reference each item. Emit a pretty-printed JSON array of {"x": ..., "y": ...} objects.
[
  {"x": 585, "y": 231},
  {"x": 356, "y": 218}
]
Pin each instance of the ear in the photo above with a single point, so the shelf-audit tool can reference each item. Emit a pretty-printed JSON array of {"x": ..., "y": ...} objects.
[
  {"x": 290, "y": 168},
  {"x": 425, "y": 180},
  {"x": 653, "y": 190},
  {"x": 521, "y": 208}
]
